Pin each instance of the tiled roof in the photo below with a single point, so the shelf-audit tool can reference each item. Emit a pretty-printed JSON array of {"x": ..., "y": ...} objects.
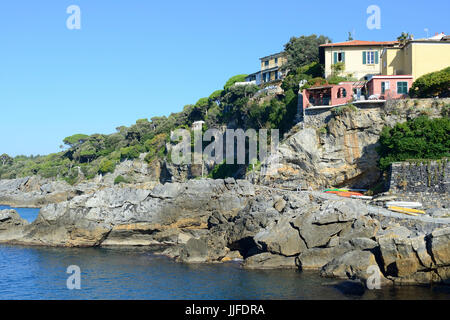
[
  {"x": 279, "y": 54},
  {"x": 359, "y": 43}
]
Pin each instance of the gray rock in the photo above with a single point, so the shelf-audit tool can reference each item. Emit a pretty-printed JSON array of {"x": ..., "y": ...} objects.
[
  {"x": 316, "y": 258},
  {"x": 168, "y": 190},
  {"x": 316, "y": 235},
  {"x": 440, "y": 246},
  {"x": 269, "y": 261},
  {"x": 353, "y": 265},
  {"x": 280, "y": 238},
  {"x": 194, "y": 251}
]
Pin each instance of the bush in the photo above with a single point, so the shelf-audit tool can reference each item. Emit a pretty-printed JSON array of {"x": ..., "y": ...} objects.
[
  {"x": 339, "y": 111},
  {"x": 132, "y": 152},
  {"x": 120, "y": 179},
  {"x": 432, "y": 85},
  {"x": 318, "y": 81},
  {"x": 223, "y": 170},
  {"x": 420, "y": 138},
  {"x": 106, "y": 166}
]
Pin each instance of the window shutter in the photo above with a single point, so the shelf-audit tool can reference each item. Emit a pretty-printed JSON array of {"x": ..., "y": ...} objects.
[
  {"x": 376, "y": 57},
  {"x": 364, "y": 57},
  {"x": 343, "y": 57},
  {"x": 335, "y": 57}
]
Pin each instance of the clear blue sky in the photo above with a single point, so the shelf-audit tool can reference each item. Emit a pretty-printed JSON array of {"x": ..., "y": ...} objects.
[{"x": 141, "y": 58}]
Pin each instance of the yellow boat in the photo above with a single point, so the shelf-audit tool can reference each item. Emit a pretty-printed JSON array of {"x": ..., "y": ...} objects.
[
  {"x": 402, "y": 210},
  {"x": 408, "y": 209}
]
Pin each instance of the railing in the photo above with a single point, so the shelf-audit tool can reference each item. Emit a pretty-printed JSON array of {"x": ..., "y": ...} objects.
[{"x": 320, "y": 101}]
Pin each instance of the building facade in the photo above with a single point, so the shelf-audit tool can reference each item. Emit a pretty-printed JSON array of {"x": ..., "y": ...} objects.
[
  {"x": 389, "y": 87},
  {"x": 361, "y": 59},
  {"x": 270, "y": 69},
  {"x": 416, "y": 57}
]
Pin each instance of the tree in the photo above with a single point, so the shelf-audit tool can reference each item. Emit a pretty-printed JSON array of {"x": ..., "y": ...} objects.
[
  {"x": 234, "y": 79},
  {"x": 5, "y": 159},
  {"x": 404, "y": 37},
  {"x": 303, "y": 50},
  {"x": 75, "y": 140},
  {"x": 337, "y": 68},
  {"x": 420, "y": 138},
  {"x": 350, "y": 36}
]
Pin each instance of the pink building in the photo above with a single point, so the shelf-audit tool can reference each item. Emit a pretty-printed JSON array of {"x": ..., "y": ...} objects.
[
  {"x": 389, "y": 87},
  {"x": 328, "y": 95},
  {"x": 377, "y": 88}
]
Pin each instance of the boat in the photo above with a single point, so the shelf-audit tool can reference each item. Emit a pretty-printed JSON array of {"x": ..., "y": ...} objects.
[
  {"x": 402, "y": 210},
  {"x": 407, "y": 209},
  {"x": 345, "y": 190},
  {"x": 362, "y": 197},
  {"x": 404, "y": 204},
  {"x": 349, "y": 193}
]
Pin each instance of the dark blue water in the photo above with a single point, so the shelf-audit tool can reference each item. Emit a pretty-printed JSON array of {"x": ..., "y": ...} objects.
[{"x": 137, "y": 273}]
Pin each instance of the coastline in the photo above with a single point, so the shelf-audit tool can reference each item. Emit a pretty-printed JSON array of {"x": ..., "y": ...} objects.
[{"x": 215, "y": 221}]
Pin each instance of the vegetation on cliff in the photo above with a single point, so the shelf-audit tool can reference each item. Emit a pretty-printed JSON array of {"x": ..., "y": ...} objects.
[
  {"x": 432, "y": 85},
  {"x": 420, "y": 138},
  {"x": 246, "y": 106}
]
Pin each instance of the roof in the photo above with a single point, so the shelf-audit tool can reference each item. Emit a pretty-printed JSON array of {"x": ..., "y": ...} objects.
[
  {"x": 321, "y": 87},
  {"x": 407, "y": 76},
  {"x": 354, "y": 43},
  {"x": 392, "y": 76},
  {"x": 279, "y": 54}
]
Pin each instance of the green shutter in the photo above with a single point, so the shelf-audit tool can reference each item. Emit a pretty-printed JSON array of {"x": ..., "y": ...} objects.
[
  {"x": 376, "y": 57},
  {"x": 364, "y": 57},
  {"x": 343, "y": 57},
  {"x": 335, "y": 57}
]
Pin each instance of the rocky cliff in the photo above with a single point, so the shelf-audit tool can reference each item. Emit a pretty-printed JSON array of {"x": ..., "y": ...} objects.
[
  {"x": 221, "y": 220},
  {"x": 338, "y": 147}
]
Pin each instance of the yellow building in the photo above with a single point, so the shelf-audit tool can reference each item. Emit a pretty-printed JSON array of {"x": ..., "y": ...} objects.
[
  {"x": 270, "y": 67},
  {"x": 416, "y": 57},
  {"x": 361, "y": 58}
]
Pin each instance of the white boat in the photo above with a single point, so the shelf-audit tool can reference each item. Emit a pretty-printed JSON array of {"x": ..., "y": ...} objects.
[
  {"x": 362, "y": 197},
  {"x": 404, "y": 204}
]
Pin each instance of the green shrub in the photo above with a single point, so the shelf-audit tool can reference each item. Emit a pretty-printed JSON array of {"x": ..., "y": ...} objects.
[
  {"x": 420, "y": 138},
  {"x": 445, "y": 112},
  {"x": 223, "y": 170},
  {"x": 106, "y": 166},
  {"x": 338, "y": 111},
  {"x": 131, "y": 152},
  {"x": 432, "y": 85},
  {"x": 120, "y": 179},
  {"x": 314, "y": 82}
]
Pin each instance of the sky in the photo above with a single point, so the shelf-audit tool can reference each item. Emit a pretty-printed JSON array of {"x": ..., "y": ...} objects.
[{"x": 134, "y": 59}]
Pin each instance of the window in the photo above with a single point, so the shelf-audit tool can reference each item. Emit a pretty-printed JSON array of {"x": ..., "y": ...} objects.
[
  {"x": 276, "y": 60},
  {"x": 385, "y": 86},
  {"x": 266, "y": 77},
  {"x": 402, "y": 87},
  {"x": 266, "y": 63},
  {"x": 342, "y": 93},
  {"x": 339, "y": 57},
  {"x": 370, "y": 57}
]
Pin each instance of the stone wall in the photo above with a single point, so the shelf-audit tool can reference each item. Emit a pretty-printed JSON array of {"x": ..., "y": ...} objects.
[{"x": 424, "y": 181}]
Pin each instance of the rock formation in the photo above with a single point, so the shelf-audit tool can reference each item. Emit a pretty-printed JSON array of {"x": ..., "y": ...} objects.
[{"x": 222, "y": 220}]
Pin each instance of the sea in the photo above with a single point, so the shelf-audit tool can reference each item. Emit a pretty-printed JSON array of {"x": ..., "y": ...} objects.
[{"x": 137, "y": 273}]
